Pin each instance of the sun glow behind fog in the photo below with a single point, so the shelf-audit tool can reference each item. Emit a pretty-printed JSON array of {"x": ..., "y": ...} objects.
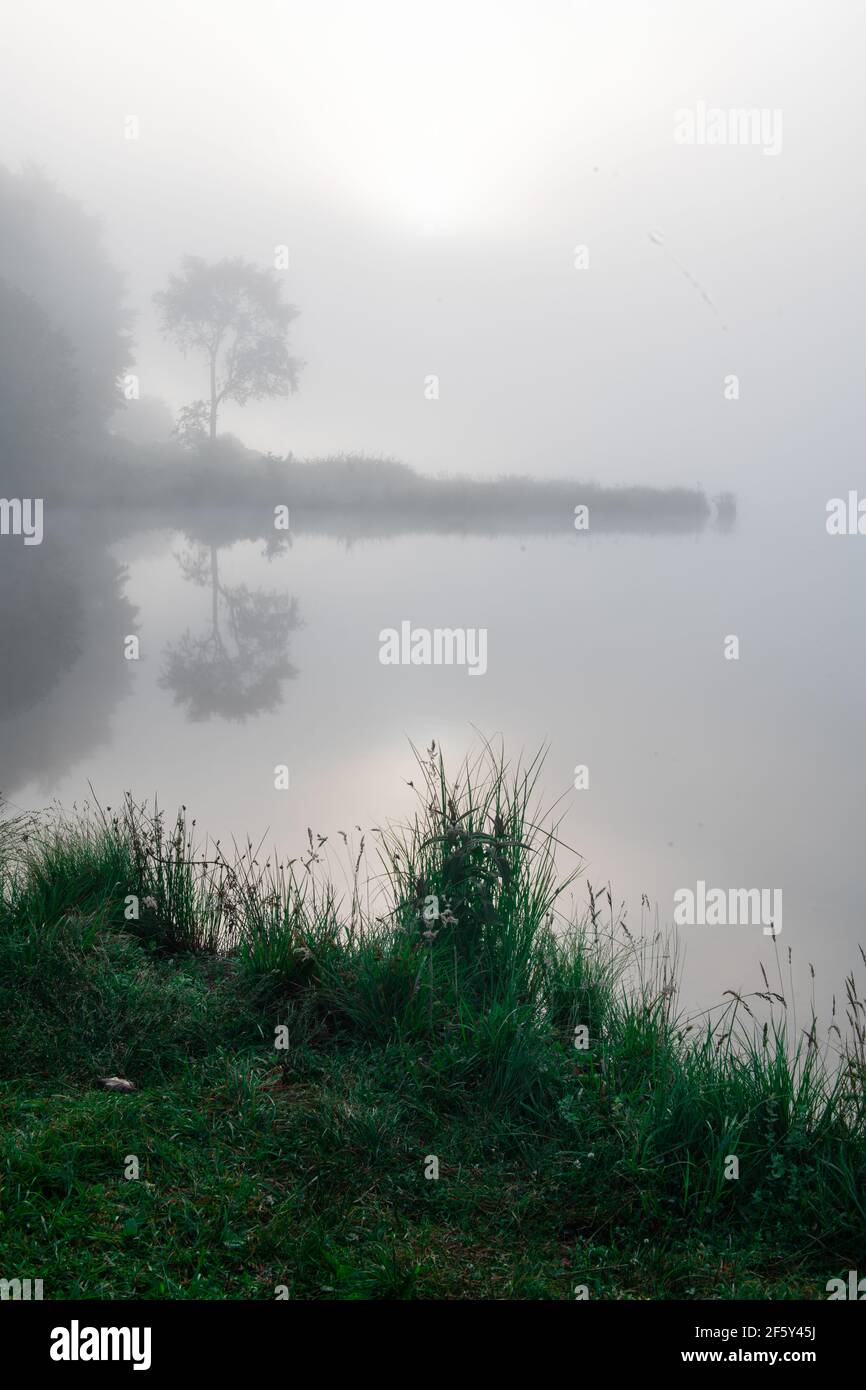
[
  {"x": 434, "y": 120},
  {"x": 437, "y": 120},
  {"x": 431, "y": 169}
]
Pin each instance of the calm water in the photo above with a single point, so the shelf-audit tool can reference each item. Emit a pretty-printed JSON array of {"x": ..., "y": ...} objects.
[{"x": 742, "y": 773}]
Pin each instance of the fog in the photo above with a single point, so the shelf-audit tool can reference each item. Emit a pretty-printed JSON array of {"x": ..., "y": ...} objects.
[
  {"x": 518, "y": 291},
  {"x": 431, "y": 172}
]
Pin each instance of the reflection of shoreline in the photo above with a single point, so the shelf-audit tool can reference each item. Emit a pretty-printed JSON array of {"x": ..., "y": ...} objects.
[
  {"x": 354, "y": 525},
  {"x": 65, "y": 620},
  {"x": 217, "y": 522},
  {"x": 64, "y": 670}
]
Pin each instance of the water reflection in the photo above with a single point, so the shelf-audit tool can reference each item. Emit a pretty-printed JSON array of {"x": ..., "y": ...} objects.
[
  {"x": 63, "y": 620},
  {"x": 66, "y": 614},
  {"x": 236, "y": 667}
]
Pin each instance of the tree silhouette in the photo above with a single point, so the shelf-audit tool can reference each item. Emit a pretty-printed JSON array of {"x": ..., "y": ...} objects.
[
  {"x": 237, "y": 667},
  {"x": 232, "y": 314},
  {"x": 52, "y": 251},
  {"x": 38, "y": 392}
]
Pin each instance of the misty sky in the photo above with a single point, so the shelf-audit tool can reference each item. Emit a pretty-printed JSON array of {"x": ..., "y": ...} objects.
[{"x": 432, "y": 167}]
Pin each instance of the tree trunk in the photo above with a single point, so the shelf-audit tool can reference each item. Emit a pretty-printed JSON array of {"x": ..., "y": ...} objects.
[
  {"x": 213, "y": 397},
  {"x": 215, "y": 588}
]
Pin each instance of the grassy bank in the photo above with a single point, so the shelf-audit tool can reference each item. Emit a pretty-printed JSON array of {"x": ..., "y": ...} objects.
[{"x": 430, "y": 1016}]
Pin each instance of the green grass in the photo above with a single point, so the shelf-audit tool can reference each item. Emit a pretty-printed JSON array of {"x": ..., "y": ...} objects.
[{"x": 431, "y": 1011}]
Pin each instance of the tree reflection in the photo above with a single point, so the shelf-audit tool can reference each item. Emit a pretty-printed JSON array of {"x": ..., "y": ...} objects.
[
  {"x": 237, "y": 667},
  {"x": 64, "y": 617}
]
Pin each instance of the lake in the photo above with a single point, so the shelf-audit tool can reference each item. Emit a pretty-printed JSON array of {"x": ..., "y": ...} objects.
[{"x": 609, "y": 649}]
